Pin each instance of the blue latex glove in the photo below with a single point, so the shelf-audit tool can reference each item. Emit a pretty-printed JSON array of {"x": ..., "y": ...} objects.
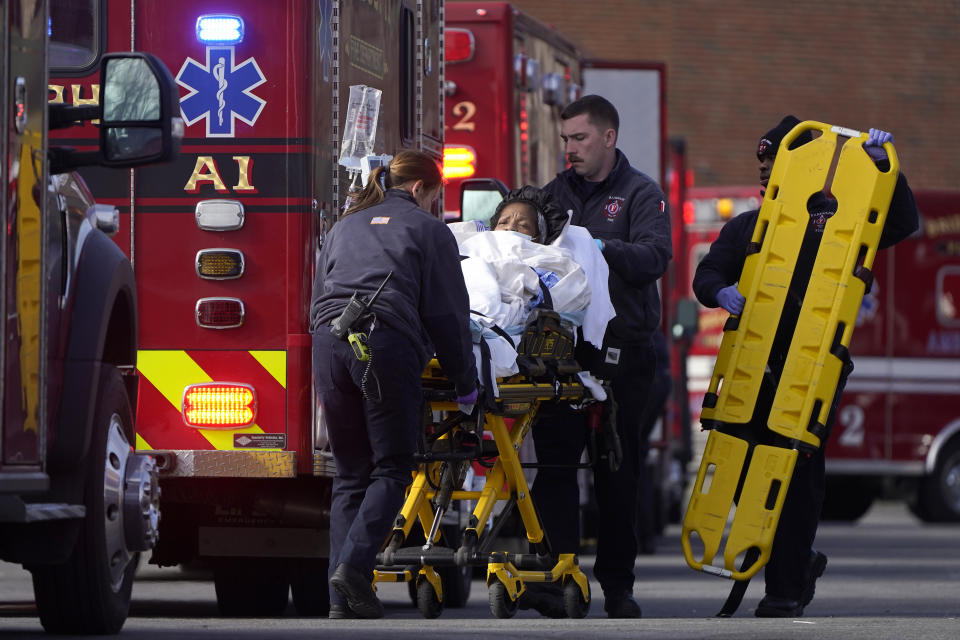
[
  {"x": 599, "y": 243},
  {"x": 466, "y": 403},
  {"x": 730, "y": 299},
  {"x": 874, "y": 144}
]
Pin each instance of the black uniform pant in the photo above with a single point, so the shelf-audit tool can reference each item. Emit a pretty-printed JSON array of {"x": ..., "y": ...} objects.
[
  {"x": 559, "y": 437},
  {"x": 786, "y": 571},
  {"x": 373, "y": 442}
]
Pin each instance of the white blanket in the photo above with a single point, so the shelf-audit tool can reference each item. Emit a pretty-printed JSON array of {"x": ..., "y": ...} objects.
[{"x": 499, "y": 271}]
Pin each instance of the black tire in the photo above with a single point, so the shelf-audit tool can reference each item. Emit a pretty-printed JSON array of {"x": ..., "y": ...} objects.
[
  {"x": 457, "y": 580},
  {"x": 573, "y": 601},
  {"x": 427, "y": 600},
  {"x": 251, "y": 587},
  {"x": 86, "y": 595},
  {"x": 500, "y": 603},
  {"x": 848, "y": 498},
  {"x": 412, "y": 590},
  {"x": 938, "y": 496},
  {"x": 309, "y": 587}
]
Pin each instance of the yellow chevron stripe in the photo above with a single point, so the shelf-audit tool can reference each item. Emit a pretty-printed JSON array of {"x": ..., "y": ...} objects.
[
  {"x": 275, "y": 362},
  {"x": 143, "y": 445},
  {"x": 167, "y": 370}
]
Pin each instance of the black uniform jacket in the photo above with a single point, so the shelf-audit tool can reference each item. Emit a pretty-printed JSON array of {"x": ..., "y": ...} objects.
[
  {"x": 628, "y": 211},
  {"x": 425, "y": 298},
  {"x": 723, "y": 264}
]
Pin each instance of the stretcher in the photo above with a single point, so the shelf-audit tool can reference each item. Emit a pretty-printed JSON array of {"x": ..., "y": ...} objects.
[
  {"x": 452, "y": 442},
  {"x": 746, "y": 469}
]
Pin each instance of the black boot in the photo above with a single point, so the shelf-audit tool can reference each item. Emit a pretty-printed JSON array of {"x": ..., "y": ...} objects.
[
  {"x": 357, "y": 591},
  {"x": 620, "y": 604}
]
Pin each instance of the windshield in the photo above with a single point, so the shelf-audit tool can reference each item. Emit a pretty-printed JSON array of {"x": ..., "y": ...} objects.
[{"x": 74, "y": 30}]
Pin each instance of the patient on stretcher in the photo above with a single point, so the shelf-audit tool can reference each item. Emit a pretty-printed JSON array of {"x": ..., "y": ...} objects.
[{"x": 532, "y": 259}]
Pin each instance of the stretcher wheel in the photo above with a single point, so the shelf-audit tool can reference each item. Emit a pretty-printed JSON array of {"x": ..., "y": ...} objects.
[
  {"x": 427, "y": 601},
  {"x": 500, "y": 603},
  {"x": 574, "y": 602}
]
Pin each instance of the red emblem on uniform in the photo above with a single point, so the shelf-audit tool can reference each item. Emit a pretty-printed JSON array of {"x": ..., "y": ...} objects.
[{"x": 611, "y": 208}]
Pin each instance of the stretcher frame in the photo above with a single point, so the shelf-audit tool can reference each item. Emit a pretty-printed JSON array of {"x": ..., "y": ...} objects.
[
  {"x": 436, "y": 483},
  {"x": 746, "y": 473}
]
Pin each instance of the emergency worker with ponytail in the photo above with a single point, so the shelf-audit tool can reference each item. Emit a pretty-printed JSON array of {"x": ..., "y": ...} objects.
[{"x": 372, "y": 407}]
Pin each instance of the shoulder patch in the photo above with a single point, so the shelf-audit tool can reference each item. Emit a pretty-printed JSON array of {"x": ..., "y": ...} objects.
[{"x": 380, "y": 220}]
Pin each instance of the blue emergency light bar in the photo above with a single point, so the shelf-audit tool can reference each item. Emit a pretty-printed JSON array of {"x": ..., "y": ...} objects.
[{"x": 220, "y": 29}]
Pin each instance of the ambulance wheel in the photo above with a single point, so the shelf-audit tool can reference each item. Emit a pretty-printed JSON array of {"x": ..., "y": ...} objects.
[
  {"x": 309, "y": 587},
  {"x": 90, "y": 592},
  {"x": 500, "y": 603},
  {"x": 427, "y": 601},
  {"x": 573, "y": 601},
  {"x": 250, "y": 587},
  {"x": 938, "y": 498}
]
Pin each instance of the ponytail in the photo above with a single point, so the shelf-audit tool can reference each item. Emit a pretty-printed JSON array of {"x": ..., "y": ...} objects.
[
  {"x": 406, "y": 167},
  {"x": 375, "y": 191}
]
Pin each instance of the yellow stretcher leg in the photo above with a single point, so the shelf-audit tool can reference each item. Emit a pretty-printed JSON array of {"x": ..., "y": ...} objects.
[{"x": 432, "y": 490}]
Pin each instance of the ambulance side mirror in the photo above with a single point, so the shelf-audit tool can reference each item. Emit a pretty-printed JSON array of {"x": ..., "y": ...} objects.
[
  {"x": 140, "y": 122},
  {"x": 479, "y": 198},
  {"x": 139, "y": 116}
]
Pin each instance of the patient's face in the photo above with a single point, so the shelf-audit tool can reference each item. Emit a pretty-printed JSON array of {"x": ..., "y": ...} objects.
[{"x": 518, "y": 216}]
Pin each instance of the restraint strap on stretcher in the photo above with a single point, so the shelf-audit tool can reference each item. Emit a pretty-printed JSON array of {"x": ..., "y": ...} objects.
[
  {"x": 487, "y": 375},
  {"x": 487, "y": 380}
]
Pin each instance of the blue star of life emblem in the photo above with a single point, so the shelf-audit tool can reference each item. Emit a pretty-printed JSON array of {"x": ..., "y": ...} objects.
[{"x": 220, "y": 91}]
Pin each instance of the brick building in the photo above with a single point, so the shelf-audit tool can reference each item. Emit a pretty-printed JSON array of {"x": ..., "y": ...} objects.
[{"x": 734, "y": 68}]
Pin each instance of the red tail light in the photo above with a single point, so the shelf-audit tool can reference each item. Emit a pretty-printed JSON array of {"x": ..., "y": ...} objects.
[
  {"x": 219, "y": 405},
  {"x": 220, "y": 313},
  {"x": 458, "y": 45},
  {"x": 459, "y": 161}
]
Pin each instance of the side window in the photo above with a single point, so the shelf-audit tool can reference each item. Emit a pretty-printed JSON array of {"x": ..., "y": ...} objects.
[{"x": 76, "y": 35}]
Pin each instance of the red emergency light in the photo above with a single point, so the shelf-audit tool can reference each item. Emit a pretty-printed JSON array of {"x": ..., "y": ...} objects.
[
  {"x": 220, "y": 313},
  {"x": 459, "y": 161},
  {"x": 223, "y": 405},
  {"x": 458, "y": 45}
]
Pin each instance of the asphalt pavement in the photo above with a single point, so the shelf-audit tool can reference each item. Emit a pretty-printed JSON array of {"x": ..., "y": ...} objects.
[{"x": 889, "y": 576}]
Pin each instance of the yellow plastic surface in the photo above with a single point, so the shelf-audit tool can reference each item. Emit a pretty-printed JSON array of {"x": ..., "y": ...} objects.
[
  {"x": 766, "y": 275},
  {"x": 707, "y": 511},
  {"x": 811, "y": 373},
  {"x": 833, "y": 293},
  {"x": 755, "y": 521},
  {"x": 756, "y": 513}
]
